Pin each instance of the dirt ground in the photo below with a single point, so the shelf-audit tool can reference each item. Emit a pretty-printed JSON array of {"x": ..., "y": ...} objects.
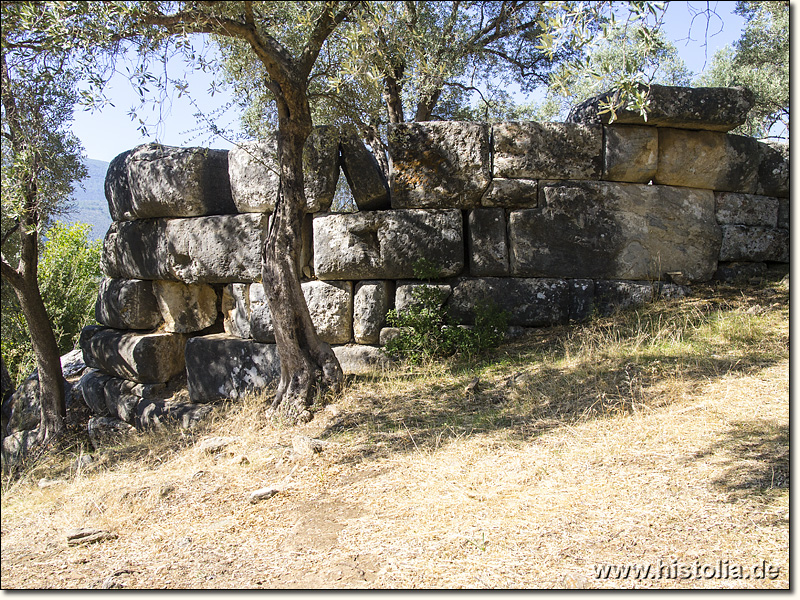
[{"x": 700, "y": 482}]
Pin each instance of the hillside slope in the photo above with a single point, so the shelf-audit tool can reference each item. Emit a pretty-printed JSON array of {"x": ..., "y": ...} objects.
[{"x": 89, "y": 203}]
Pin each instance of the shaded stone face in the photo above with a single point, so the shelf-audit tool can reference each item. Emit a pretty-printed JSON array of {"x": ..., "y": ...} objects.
[
  {"x": 615, "y": 231},
  {"x": 486, "y": 242},
  {"x": 439, "y": 164},
  {"x": 712, "y": 109},
  {"x": 387, "y": 244},
  {"x": 371, "y": 302},
  {"x": 186, "y": 308},
  {"x": 746, "y": 209},
  {"x": 530, "y": 150},
  {"x": 178, "y": 182},
  {"x": 127, "y": 304},
  {"x": 140, "y": 357},
  {"x": 512, "y": 193},
  {"x": 740, "y": 243},
  {"x": 254, "y": 172},
  {"x": 364, "y": 176},
  {"x": 707, "y": 160},
  {"x": 529, "y": 302},
  {"x": 220, "y": 367},
  {"x": 631, "y": 153},
  {"x": 773, "y": 169},
  {"x": 117, "y": 189}
]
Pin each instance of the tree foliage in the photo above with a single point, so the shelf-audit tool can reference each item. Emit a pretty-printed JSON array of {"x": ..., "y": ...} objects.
[{"x": 759, "y": 60}]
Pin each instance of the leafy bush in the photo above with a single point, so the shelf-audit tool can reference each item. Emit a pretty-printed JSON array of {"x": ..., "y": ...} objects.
[
  {"x": 69, "y": 274},
  {"x": 427, "y": 332}
]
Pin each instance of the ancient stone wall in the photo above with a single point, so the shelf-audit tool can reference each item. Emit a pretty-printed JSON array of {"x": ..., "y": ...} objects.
[{"x": 553, "y": 221}]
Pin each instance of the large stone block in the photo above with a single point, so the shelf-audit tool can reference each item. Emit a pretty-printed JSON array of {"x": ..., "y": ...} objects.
[
  {"x": 531, "y": 150},
  {"x": 405, "y": 295},
  {"x": 117, "y": 189},
  {"x": 371, "y": 302},
  {"x": 127, "y": 304},
  {"x": 528, "y": 302},
  {"x": 221, "y": 367},
  {"x": 215, "y": 249},
  {"x": 707, "y": 160},
  {"x": 512, "y": 193},
  {"x": 92, "y": 387},
  {"x": 364, "y": 176},
  {"x": 262, "y": 328},
  {"x": 140, "y": 357},
  {"x": 714, "y": 109},
  {"x": 631, "y": 153},
  {"x": 153, "y": 414},
  {"x": 615, "y": 231},
  {"x": 757, "y": 244},
  {"x": 356, "y": 359},
  {"x": 330, "y": 304},
  {"x": 255, "y": 173},
  {"x": 178, "y": 182},
  {"x": 611, "y": 296},
  {"x": 746, "y": 209},
  {"x": 388, "y": 244},
  {"x": 186, "y": 308},
  {"x": 486, "y": 242},
  {"x": 773, "y": 169},
  {"x": 439, "y": 164}
]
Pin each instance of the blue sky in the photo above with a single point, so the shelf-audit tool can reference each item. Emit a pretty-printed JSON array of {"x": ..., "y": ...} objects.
[{"x": 109, "y": 132}]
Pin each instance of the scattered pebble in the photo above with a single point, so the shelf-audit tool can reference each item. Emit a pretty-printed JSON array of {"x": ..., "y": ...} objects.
[
  {"x": 263, "y": 494},
  {"x": 213, "y": 445},
  {"x": 88, "y": 535}
]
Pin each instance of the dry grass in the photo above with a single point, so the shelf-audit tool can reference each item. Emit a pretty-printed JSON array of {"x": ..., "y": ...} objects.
[{"x": 655, "y": 435}]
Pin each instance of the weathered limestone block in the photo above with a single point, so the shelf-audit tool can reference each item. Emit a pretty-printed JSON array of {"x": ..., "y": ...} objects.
[
  {"x": 631, "y": 153},
  {"x": 186, "y": 308},
  {"x": 405, "y": 295},
  {"x": 127, "y": 304},
  {"x": 178, "y": 182},
  {"x": 486, "y": 242},
  {"x": 136, "y": 250},
  {"x": 236, "y": 309},
  {"x": 746, "y": 209},
  {"x": 215, "y": 249},
  {"x": 581, "y": 299},
  {"x": 330, "y": 304},
  {"x": 364, "y": 176},
  {"x": 707, "y": 160},
  {"x": 153, "y": 414},
  {"x": 439, "y": 164},
  {"x": 220, "y": 367},
  {"x": 255, "y": 174},
  {"x": 740, "y": 271},
  {"x": 261, "y": 326},
  {"x": 783, "y": 213},
  {"x": 615, "y": 230},
  {"x": 389, "y": 333},
  {"x": 357, "y": 359},
  {"x": 757, "y": 244},
  {"x": 387, "y": 244},
  {"x": 23, "y": 407},
  {"x": 611, "y": 296},
  {"x": 773, "y": 169},
  {"x": 512, "y": 193},
  {"x": 140, "y": 357},
  {"x": 371, "y": 302},
  {"x": 531, "y": 150},
  {"x": 714, "y": 109},
  {"x": 92, "y": 387},
  {"x": 117, "y": 189},
  {"x": 120, "y": 400},
  {"x": 529, "y": 302},
  {"x": 218, "y": 249}
]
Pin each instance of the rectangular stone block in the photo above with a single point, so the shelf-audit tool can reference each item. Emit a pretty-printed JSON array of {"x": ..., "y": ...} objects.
[
  {"x": 615, "y": 231},
  {"x": 512, "y": 193},
  {"x": 405, "y": 296},
  {"x": 611, "y": 296},
  {"x": 186, "y": 308},
  {"x": 127, "y": 304},
  {"x": 439, "y": 164},
  {"x": 531, "y": 150},
  {"x": 216, "y": 249},
  {"x": 630, "y": 153},
  {"x": 714, "y": 109},
  {"x": 746, "y": 209},
  {"x": 388, "y": 244},
  {"x": 773, "y": 169},
  {"x": 707, "y": 160},
  {"x": 178, "y": 182},
  {"x": 140, "y": 357},
  {"x": 236, "y": 309},
  {"x": 756, "y": 244},
  {"x": 371, "y": 302},
  {"x": 357, "y": 359},
  {"x": 529, "y": 302},
  {"x": 222, "y": 367},
  {"x": 486, "y": 242}
]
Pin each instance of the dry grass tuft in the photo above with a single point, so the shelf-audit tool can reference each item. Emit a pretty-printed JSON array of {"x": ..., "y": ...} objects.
[{"x": 655, "y": 436}]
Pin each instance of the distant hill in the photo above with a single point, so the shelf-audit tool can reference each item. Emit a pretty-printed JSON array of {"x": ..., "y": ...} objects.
[{"x": 89, "y": 201}]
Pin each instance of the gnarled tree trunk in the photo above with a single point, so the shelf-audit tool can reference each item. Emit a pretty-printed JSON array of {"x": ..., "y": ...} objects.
[{"x": 308, "y": 365}]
